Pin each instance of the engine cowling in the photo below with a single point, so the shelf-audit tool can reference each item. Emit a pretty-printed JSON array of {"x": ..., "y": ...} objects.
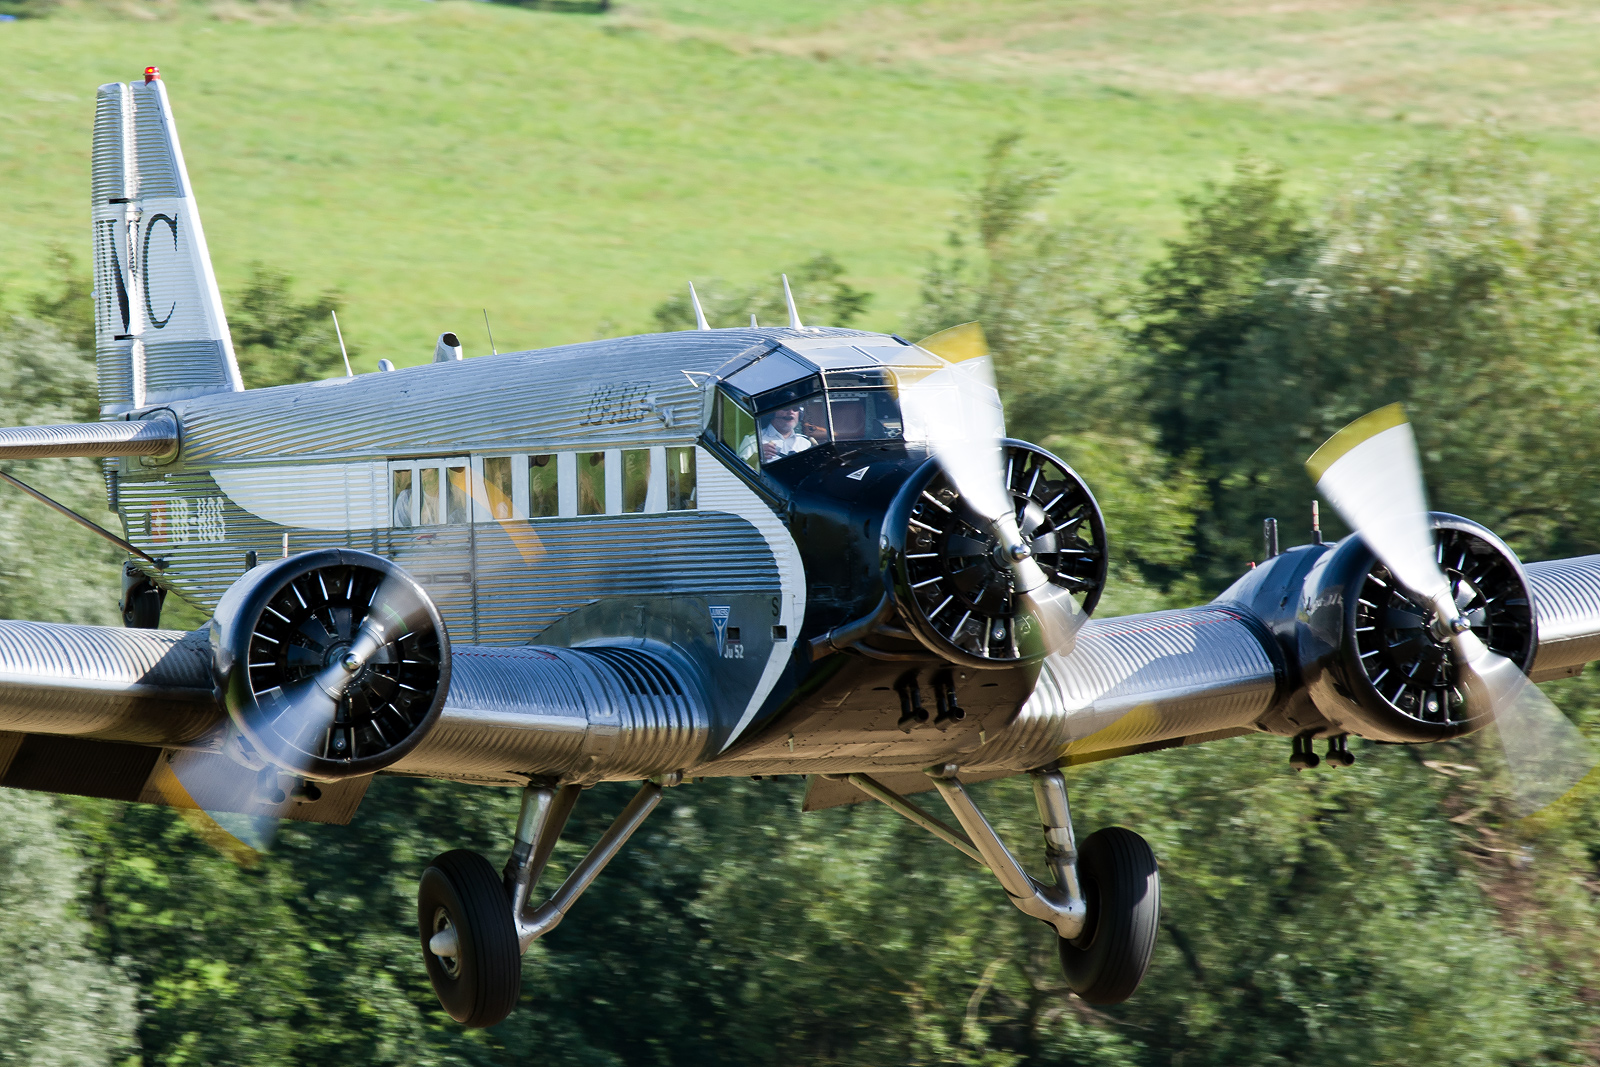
[
  {"x": 1369, "y": 659},
  {"x": 284, "y": 624},
  {"x": 943, "y": 568}
]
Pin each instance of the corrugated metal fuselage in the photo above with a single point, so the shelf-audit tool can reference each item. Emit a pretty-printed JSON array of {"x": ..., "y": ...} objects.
[
  {"x": 572, "y": 539},
  {"x": 729, "y": 583}
]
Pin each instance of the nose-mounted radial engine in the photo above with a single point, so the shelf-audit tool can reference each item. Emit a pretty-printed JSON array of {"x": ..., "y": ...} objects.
[{"x": 951, "y": 571}]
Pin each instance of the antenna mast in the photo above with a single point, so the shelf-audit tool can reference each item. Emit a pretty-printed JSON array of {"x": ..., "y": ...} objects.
[{"x": 348, "y": 372}]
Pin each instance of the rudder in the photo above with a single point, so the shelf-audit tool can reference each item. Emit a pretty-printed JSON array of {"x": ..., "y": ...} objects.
[{"x": 160, "y": 332}]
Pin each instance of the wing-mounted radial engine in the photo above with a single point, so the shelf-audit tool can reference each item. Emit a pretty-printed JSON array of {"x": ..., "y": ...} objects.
[
  {"x": 1375, "y": 664},
  {"x": 331, "y": 664},
  {"x": 946, "y": 567}
]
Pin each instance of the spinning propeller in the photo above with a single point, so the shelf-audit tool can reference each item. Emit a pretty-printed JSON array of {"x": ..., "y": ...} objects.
[
  {"x": 956, "y": 410},
  {"x": 1371, "y": 473},
  {"x": 332, "y": 665}
]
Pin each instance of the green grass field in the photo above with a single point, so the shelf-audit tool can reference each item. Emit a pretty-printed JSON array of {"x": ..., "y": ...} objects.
[{"x": 569, "y": 171}]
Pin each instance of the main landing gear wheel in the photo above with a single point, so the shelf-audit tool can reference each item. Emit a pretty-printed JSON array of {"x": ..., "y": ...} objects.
[
  {"x": 469, "y": 942},
  {"x": 1106, "y": 963}
]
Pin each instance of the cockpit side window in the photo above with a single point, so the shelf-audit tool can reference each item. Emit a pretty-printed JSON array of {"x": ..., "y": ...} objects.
[
  {"x": 764, "y": 419},
  {"x": 736, "y": 428}
]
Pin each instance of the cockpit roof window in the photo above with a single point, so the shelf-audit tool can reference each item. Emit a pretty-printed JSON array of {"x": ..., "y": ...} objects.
[
  {"x": 772, "y": 371},
  {"x": 788, "y": 394},
  {"x": 781, "y": 370},
  {"x": 836, "y": 353}
]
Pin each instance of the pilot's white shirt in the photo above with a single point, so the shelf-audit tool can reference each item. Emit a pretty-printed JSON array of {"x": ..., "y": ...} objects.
[{"x": 786, "y": 446}]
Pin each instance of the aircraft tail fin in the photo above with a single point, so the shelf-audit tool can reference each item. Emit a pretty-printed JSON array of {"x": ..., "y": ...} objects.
[{"x": 160, "y": 333}]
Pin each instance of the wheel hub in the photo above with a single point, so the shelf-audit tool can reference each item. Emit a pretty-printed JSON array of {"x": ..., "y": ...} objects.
[{"x": 445, "y": 943}]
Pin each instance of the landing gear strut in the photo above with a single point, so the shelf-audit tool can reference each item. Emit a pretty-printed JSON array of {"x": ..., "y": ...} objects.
[
  {"x": 1106, "y": 900},
  {"x": 475, "y": 923}
]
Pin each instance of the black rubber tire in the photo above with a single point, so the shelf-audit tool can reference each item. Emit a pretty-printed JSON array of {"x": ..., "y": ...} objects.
[
  {"x": 144, "y": 609},
  {"x": 487, "y": 980},
  {"x": 1106, "y": 963}
]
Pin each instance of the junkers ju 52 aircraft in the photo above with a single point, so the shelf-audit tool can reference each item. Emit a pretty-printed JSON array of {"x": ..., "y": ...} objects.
[{"x": 773, "y": 550}]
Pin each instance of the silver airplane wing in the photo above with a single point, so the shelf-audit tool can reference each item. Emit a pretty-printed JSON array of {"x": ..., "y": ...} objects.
[
  {"x": 1567, "y": 603},
  {"x": 101, "y": 711},
  {"x": 1142, "y": 683}
]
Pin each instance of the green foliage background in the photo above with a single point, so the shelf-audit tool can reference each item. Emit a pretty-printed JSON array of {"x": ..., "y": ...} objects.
[{"x": 1392, "y": 913}]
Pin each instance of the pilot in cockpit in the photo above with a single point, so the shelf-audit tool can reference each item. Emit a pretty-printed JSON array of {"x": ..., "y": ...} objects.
[{"x": 779, "y": 436}]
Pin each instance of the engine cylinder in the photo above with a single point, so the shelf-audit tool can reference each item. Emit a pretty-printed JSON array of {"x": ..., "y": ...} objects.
[
  {"x": 284, "y": 629},
  {"x": 1370, "y": 659},
  {"x": 943, "y": 567}
]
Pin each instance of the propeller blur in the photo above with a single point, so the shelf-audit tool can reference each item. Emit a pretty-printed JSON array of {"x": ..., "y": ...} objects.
[{"x": 1371, "y": 472}]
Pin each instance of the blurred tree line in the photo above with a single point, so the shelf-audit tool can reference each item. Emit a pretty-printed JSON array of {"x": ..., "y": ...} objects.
[{"x": 1391, "y": 913}]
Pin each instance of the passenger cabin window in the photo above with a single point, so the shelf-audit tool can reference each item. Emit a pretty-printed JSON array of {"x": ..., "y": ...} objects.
[
  {"x": 636, "y": 480},
  {"x": 430, "y": 492},
  {"x": 501, "y": 488},
  {"x": 591, "y": 483},
  {"x": 429, "y": 516},
  {"x": 497, "y": 487},
  {"x": 400, "y": 497},
  {"x": 543, "y": 500},
  {"x": 456, "y": 497},
  {"x": 680, "y": 479}
]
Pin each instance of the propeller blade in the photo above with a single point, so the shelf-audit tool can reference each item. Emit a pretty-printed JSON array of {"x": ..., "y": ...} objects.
[
  {"x": 198, "y": 786},
  {"x": 1371, "y": 473},
  {"x": 1545, "y": 754},
  {"x": 956, "y": 410}
]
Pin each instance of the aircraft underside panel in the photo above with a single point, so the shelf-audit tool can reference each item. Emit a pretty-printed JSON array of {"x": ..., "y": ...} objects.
[{"x": 1132, "y": 684}]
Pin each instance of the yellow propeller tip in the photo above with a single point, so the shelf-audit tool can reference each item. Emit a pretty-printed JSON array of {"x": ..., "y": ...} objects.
[
  {"x": 1363, "y": 429},
  {"x": 1563, "y": 808},
  {"x": 957, "y": 344}
]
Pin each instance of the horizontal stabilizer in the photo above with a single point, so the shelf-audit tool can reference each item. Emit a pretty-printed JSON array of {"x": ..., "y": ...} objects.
[{"x": 143, "y": 437}]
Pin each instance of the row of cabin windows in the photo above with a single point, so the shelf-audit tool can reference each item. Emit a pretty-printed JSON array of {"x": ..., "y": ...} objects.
[{"x": 625, "y": 481}]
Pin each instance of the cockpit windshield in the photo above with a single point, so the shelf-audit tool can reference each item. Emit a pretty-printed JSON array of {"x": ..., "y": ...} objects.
[
  {"x": 780, "y": 404},
  {"x": 864, "y": 405}
]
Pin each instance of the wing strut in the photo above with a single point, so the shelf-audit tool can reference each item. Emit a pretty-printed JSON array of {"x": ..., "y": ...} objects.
[{"x": 87, "y": 524}]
